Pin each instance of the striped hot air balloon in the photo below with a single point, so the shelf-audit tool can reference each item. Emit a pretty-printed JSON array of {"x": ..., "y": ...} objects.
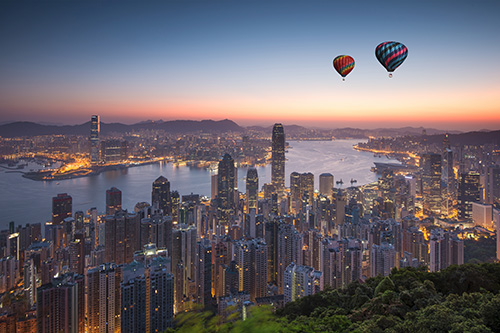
[
  {"x": 343, "y": 64},
  {"x": 391, "y": 55}
]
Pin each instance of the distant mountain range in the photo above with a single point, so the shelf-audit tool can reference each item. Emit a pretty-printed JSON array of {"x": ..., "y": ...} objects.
[
  {"x": 28, "y": 129},
  {"x": 23, "y": 128}
]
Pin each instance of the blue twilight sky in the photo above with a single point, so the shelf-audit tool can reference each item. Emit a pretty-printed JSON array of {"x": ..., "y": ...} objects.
[{"x": 255, "y": 62}]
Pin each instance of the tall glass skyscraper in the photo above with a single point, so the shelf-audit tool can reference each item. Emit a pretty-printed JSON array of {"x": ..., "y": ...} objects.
[
  {"x": 225, "y": 189},
  {"x": 278, "y": 158},
  {"x": 252, "y": 186},
  {"x": 431, "y": 184},
  {"x": 95, "y": 128}
]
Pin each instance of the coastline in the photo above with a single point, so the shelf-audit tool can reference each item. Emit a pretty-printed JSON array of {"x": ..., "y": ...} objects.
[{"x": 48, "y": 175}]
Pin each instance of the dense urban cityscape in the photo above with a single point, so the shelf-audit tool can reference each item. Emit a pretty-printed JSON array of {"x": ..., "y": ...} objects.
[{"x": 133, "y": 269}]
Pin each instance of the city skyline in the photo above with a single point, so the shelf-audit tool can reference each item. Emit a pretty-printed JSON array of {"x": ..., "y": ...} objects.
[{"x": 255, "y": 63}]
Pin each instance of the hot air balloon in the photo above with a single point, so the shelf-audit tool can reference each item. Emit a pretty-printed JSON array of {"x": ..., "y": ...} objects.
[
  {"x": 391, "y": 55},
  {"x": 343, "y": 64}
]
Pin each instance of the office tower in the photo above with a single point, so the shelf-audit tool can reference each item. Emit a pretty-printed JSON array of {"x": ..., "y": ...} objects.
[
  {"x": 60, "y": 305},
  {"x": 482, "y": 215},
  {"x": 213, "y": 186},
  {"x": 252, "y": 183},
  {"x": 326, "y": 184},
  {"x": 431, "y": 184},
  {"x": 204, "y": 272},
  {"x": 492, "y": 186},
  {"x": 122, "y": 236},
  {"x": 446, "y": 249},
  {"x": 95, "y": 128},
  {"x": 448, "y": 178},
  {"x": 339, "y": 201},
  {"x": 382, "y": 259},
  {"x": 103, "y": 299},
  {"x": 278, "y": 159},
  {"x": 176, "y": 200},
  {"x": 251, "y": 262},
  {"x": 225, "y": 191},
  {"x": 113, "y": 201},
  {"x": 62, "y": 207},
  {"x": 301, "y": 281},
  {"x": 114, "y": 151},
  {"x": 301, "y": 190},
  {"x": 469, "y": 192},
  {"x": 161, "y": 196}
]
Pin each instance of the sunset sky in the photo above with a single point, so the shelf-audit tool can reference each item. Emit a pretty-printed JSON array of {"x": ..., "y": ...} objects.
[{"x": 254, "y": 62}]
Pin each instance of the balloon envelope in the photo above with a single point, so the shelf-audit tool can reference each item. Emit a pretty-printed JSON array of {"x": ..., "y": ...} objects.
[
  {"x": 391, "y": 55},
  {"x": 343, "y": 64}
]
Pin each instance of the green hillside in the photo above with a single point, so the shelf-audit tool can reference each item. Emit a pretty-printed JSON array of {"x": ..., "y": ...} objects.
[{"x": 459, "y": 299}]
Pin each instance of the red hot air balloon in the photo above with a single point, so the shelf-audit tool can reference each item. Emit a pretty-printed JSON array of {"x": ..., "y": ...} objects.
[{"x": 343, "y": 64}]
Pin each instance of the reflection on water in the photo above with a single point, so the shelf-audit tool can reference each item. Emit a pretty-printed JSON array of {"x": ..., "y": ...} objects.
[{"x": 28, "y": 201}]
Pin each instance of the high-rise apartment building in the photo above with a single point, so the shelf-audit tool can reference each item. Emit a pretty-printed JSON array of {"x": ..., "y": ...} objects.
[
  {"x": 113, "y": 201},
  {"x": 278, "y": 159},
  {"x": 103, "y": 299},
  {"x": 95, "y": 129},
  {"x": 251, "y": 262},
  {"x": 122, "y": 237},
  {"x": 147, "y": 297},
  {"x": 60, "y": 305},
  {"x": 204, "y": 272},
  {"x": 301, "y": 281},
  {"x": 382, "y": 259}
]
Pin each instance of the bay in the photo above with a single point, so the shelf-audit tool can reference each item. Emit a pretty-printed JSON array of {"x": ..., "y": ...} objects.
[{"x": 26, "y": 201}]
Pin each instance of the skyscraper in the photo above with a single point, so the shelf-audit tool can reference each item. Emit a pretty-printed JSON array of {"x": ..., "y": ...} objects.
[
  {"x": 326, "y": 184},
  {"x": 251, "y": 262},
  {"x": 122, "y": 237},
  {"x": 95, "y": 128},
  {"x": 60, "y": 305},
  {"x": 225, "y": 190},
  {"x": 431, "y": 184},
  {"x": 113, "y": 201},
  {"x": 469, "y": 192},
  {"x": 278, "y": 158},
  {"x": 62, "y": 207},
  {"x": 252, "y": 189},
  {"x": 492, "y": 186},
  {"x": 103, "y": 300},
  {"x": 147, "y": 297},
  {"x": 160, "y": 196}
]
